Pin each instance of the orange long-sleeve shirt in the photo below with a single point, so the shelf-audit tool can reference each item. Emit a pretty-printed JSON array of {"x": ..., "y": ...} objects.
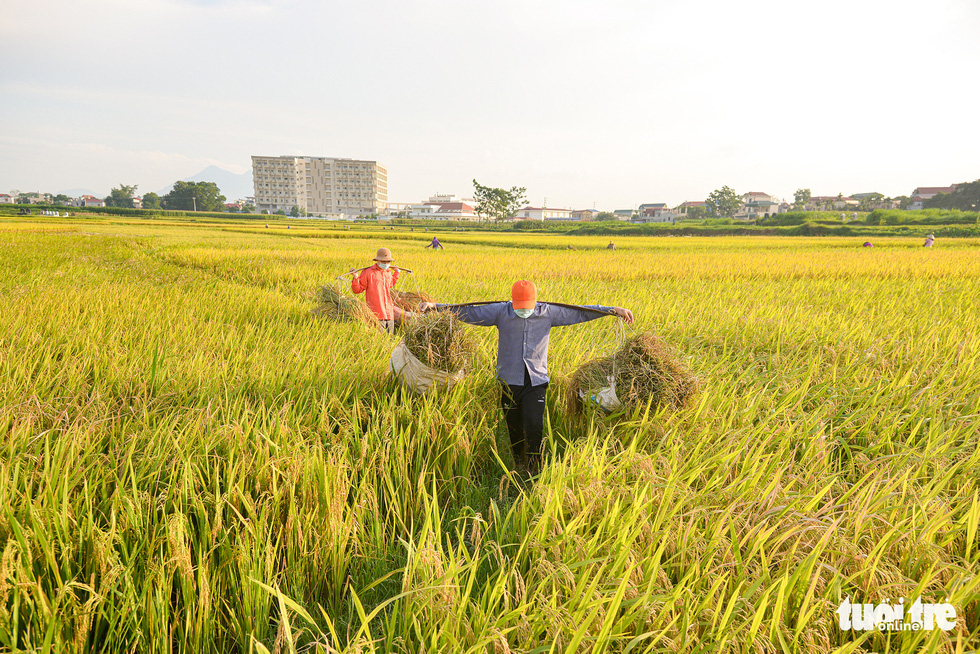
[{"x": 376, "y": 284}]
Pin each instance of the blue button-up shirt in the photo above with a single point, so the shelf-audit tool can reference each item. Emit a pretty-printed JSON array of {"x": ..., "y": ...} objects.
[{"x": 522, "y": 343}]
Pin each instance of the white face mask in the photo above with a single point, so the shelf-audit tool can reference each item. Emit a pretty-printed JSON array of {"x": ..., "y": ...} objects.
[
  {"x": 523, "y": 313},
  {"x": 383, "y": 266}
]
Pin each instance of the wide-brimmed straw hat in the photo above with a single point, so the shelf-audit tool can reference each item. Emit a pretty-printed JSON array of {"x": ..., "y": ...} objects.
[{"x": 384, "y": 255}]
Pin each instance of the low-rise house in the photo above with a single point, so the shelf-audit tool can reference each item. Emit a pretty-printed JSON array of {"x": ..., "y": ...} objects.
[
  {"x": 585, "y": 214},
  {"x": 656, "y": 212},
  {"x": 830, "y": 203},
  {"x": 928, "y": 192},
  {"x": 919, "y": 196},
  {"x": 455, "y": 211},
  {"x": 916, "y": 203},
  {"x": 88, "y": 201},
  {"x": 6, "y": 199},
  {"x": 820, "y": 203},
  {"x": 34, "y": 197},
  {"x": 442, "y": 211},
  {"x": 683, "y": 208},
  {"x": 756, "y": 196},
  {"x": 623, "y": 214},
  {"x": 544, "y": 213},
  {"x": 756, "y": 204},
  {"x": 443, "y": 207}
]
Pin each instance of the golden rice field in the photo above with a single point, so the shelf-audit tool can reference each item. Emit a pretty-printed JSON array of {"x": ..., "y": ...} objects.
[{"x": 193, "y": 462}]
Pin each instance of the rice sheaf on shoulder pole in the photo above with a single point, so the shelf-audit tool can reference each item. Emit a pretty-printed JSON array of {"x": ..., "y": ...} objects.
[{"x": 557, "y": 304}]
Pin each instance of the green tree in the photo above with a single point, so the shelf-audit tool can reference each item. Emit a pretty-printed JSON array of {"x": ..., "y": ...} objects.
[
  {"x": 965, "y": 197},
  {"x": 605, "y": 215},
  {"x": 294, "y": 212},
  {"x": 248, "y": 208},
  {"x": 121, "y": 196},
  {"x": 723, "y": 203},
  {"x": 696, "y": 213},
  {"x": 61, "y": 199},
  {"x": 151, "y": 201},
  {"x": 194, "y": 196},
  {"x": 903, "y": 201},
  {"x": 496, "y": 203},
  {"x": 870, "y": 202},
  {"x": 801, "y": 197}
]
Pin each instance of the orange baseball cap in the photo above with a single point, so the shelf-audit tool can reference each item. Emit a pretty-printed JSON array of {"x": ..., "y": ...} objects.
[{"x": 523, "y": 294}]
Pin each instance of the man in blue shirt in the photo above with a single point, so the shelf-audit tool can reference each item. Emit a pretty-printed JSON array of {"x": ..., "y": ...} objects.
[{"x": 523, "y": 328}]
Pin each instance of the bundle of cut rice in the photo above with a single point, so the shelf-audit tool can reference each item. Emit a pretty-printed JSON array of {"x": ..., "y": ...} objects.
[
  {"x": 439, "y": 340},
  {"x": 643, "y": 370},
  {"x": 435, "y": 353},
  {"x": 334, "y": 305},
  {"x": 409, "y": 300}
]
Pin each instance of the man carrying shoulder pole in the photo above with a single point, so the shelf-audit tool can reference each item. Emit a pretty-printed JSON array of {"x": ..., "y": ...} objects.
[
  {"x": 523, "y": 329},
  {"x": 376, "y": 282}
]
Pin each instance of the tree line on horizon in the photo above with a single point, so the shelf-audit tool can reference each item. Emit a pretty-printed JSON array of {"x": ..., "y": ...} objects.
[{"x": 184, "y": 196}]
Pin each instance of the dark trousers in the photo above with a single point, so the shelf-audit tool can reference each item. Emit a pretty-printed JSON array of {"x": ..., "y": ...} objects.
[{"x": 524, "y": 412}]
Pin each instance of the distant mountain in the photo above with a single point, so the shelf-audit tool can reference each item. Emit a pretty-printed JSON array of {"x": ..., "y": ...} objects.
[{"x": 233, "y": 186}]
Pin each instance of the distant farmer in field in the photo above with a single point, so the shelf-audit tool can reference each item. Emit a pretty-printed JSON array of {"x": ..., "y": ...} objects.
[
  {"x": 523, "y": 327},
  {"x": 377, "y": 283},
  {"x": 611, "y": 246},
  {"x": 868, "y": 244},
  {"x": 435, "y": 244},
  {"x": 929, "y": 241}
]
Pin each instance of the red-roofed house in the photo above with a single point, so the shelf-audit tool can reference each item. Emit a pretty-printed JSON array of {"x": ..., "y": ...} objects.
[
  {"x": 444, "y": 207},
  {"x": 684, "y": 207},
  {"x": 926, "y": 192},
  {"x": 923, "y": 193},
  {"x": 655, "y": 212},
  {"x": 88, "y": 201},
  {"x": 6, "y": 199},
  {"x": 443, "y": 211}
]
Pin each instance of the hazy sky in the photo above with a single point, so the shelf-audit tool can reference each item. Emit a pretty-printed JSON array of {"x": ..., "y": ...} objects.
[{"x": 612, "y": 102}]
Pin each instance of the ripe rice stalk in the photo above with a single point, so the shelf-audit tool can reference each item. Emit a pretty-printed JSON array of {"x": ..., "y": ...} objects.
[
  {"x": 334, "y": 305},
  {"x": 439, "y": 340},
  {"x": 410, "y": 300},
  {"x": 645, "y": 369}
]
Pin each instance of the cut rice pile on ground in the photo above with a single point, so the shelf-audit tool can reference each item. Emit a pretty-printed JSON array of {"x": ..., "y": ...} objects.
[
  {"x": 409, "y": 300},
  {"x": 334, "y": 305},
  {"x": 645, "y": 369},
  {"x": 439, "y": 340}
]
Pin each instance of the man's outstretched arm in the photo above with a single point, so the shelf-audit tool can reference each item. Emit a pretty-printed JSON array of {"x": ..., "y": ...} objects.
[
  {"x": 564, "y": 316},
  {"x": 481, "y": 315}
]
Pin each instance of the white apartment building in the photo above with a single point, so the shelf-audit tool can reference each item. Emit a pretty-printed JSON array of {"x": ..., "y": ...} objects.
[{"x": 320, "y": 185}]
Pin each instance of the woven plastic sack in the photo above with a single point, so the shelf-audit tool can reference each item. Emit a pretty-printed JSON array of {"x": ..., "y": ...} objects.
[
  {"x": 418, "y": 377},
  {"x": 604, "y": 397}
]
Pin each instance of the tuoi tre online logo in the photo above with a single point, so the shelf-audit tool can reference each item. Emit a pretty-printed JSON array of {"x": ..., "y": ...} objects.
[{"x": 894, "y": 617}]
